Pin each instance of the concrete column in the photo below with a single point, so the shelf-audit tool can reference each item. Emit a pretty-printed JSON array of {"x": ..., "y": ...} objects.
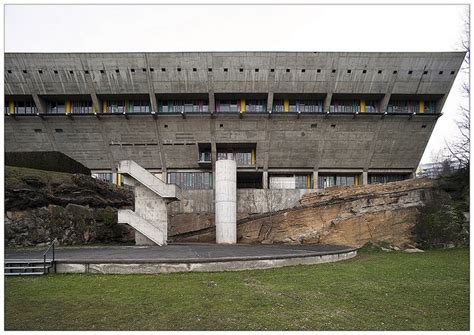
[
  {"x": 40, "y": 104},
  {"x": 265, "y": 180},
  {"x": 327, "y": 102},
  {"x": 226, "y": 202},
  {"x": 315, "y": 179},
  {"x": 269, "y": 101},
  {"x": 212, "y": 102},
  {"x": 384, "y": 102},
  {"x": 365, "y": 178}
]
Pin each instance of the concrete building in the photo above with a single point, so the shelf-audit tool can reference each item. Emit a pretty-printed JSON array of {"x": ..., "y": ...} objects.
[{"x": 291, "y": 120}]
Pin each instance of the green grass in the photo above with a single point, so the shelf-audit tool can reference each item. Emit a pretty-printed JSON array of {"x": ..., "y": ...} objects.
[
  {"x": 14, "y": 174},
  {"x": 374, "y": 291}
]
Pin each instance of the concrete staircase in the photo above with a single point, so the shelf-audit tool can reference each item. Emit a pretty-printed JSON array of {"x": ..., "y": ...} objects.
[
  {"x": 132, "y": 169},
  {"x": 27, "y": 267},
  {"x": 145, "y": 227},
  {"x": 150, "y": 218}
]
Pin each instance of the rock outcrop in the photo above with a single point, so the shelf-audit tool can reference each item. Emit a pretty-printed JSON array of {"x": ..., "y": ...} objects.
[
  {"x": 350, "y": 216},
  {"x": 28, "y": 188},
  {"x": 73, "y": 209}
]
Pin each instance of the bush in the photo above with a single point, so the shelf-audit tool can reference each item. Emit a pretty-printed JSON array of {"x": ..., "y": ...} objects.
[{"x": 442, "y": 222}]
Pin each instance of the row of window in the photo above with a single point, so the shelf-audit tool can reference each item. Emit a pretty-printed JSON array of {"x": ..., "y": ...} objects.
[
  {"x": 172, "y": 106},
  {"x": 291, "y": 181},
  {"x": 287, "y": 70},
  {"x": 411, "y": 107},
  {"x": 177, "y": 106},
  {"x": 337, "y": 180},
  {"x": 20, "y": 107},
  {"x": 242, "y": 158},
  {"x": 191, "y": 180},
  {"x": 203, "y": 180},
  {"x": 385, "y": 178},
  {"x": 229, "y": 106},
  {"x": 309, "y": 106}
]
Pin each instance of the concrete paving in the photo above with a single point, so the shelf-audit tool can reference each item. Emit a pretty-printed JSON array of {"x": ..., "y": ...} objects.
[{"x": 177, "y": 253}]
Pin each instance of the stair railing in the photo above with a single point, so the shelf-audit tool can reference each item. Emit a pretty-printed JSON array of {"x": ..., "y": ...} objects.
[{"x": 51, "y": 247}]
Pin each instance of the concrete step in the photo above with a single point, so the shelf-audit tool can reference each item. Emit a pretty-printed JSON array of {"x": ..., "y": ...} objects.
[
  {"x": 141, "y": 225},
  {"x": 26, "y": 267},
  {"x": 24, "y": 261},
  {"x": 24, "y": 273},
  {"x": 147, "y": 179}
]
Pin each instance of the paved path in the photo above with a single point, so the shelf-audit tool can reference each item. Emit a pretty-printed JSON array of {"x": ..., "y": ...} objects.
[{"x": 176, "y": 252}]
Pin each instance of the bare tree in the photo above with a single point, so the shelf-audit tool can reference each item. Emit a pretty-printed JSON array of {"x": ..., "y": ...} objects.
[{"x": 460, "y": 147}]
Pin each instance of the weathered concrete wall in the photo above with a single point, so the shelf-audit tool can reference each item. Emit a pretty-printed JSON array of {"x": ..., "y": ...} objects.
[
  {"x": 170, "y": 142},
  {"x": 196, "y": 210},
  {"x": 71, "y": 76},
  {"x": 367, "y": 141}
]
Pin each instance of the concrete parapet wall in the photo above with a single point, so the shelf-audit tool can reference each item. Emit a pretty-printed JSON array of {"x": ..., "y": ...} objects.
[{"x": 239, "y": 265}]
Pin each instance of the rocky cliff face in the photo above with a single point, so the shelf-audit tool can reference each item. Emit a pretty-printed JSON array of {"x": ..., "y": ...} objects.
[
  {"x": 41, "y": 206},
  {"x": 350, "y": 216}
]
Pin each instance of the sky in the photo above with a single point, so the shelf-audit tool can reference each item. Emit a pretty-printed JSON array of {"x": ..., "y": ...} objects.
[{"x": 130, "y": 28}]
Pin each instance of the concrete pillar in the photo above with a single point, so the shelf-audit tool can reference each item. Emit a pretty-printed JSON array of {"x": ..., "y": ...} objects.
[
  {"x": 365, "y": 178},
  {"x": 265, "y": 180},
  {"x": 269, "y": 101},
  {"x": 226, "y": 202},
  {"x": 40, "y": 104},
  {"x": 327, "y": 102},
  {"x": 212, "y": 102},
  {"x": 315, "y": 179}
]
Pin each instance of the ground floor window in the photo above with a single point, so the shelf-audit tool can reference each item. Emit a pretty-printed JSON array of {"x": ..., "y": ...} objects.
[
  {"x": 191, "y": 180},
  {"x": 291, "y": 181},
  {"x": 104, "y": 176},
  {"x": 386, "y": 178},
  {"x": 325, "y": 181}
]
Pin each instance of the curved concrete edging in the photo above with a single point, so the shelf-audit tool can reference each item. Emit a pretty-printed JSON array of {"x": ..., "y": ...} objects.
[{"x": 149, "y": 267}]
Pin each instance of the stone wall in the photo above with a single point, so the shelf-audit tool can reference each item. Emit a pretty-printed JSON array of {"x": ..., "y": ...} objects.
[
  {"x": 68, "y": 225},
  {"x": 42, "y": 206}
]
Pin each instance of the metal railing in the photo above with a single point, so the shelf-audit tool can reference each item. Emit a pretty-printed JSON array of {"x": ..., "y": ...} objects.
[{"x": 51, "y": 247}]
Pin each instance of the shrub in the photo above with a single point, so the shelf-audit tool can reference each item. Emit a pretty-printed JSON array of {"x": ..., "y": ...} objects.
[{"x": 442, "y": 222}]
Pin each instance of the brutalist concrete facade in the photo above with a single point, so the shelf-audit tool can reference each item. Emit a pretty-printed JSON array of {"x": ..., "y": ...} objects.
[{"x": 281, "y": 141}]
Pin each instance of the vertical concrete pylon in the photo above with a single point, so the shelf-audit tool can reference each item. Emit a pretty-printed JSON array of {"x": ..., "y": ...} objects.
[{"x": 226, "y": 202}]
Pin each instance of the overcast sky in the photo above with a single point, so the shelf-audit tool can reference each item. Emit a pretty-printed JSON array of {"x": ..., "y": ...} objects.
[{"x": 114, "y": 28}]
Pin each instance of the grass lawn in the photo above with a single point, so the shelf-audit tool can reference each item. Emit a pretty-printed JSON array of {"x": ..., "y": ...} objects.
[{"x": 374, "y": 291}]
